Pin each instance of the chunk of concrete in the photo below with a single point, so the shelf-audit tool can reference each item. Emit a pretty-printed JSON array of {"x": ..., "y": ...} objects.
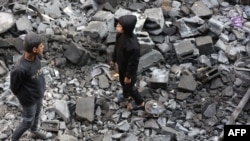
[
  {"x": 200, "y": 9},
  {"x": 96, "y": 30},
  {"x": 7, "y": 20},
  {"x": 61, "y": 108},
  {"x": 187, "y": 83},
  {"x": 204, "y": 44},
  {"x": 107, "y": 17},
  {"x": 146, "y": 43},
  {"x": 76, "y": 54},
  {"x": 154, "y": 18},
  {"x": 149, "y": 59},
  {"x": 24, "y": 24},
  {"x": 85, "y": 108}
]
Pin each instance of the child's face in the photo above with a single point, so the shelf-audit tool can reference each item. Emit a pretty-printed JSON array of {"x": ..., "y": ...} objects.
[
  {"x": 119, "y": 28},
  {"x": 39, "y": 49}
]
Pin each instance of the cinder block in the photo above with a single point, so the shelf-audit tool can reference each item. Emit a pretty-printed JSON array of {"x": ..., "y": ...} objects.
[{"x": 204, "y": 45}]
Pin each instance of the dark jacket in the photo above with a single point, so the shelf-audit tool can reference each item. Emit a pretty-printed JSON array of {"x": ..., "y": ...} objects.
[
  {"x": 27, "y": 81},
  {"x": 127, "y": 49}
]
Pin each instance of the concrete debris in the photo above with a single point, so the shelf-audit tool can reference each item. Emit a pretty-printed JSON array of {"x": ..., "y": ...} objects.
[{"x": 194, "y": 60}]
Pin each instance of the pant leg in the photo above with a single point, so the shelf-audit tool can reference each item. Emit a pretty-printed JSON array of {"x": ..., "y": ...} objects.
[
  {"x": 134, "y": 93},
  {"x": 27, "y": 121},
  {"x": 124, "y": 87},
  {"x": 130, "y": 89},
  {"x": 35, "y": 123}
]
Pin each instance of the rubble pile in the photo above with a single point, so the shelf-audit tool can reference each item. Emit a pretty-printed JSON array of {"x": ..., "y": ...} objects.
[{"x": 194, "y": 60}]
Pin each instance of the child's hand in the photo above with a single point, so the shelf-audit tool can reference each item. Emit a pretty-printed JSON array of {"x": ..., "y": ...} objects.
[
  {"x": 127, "y": 80},
  {"x": 112, "y": 64}
]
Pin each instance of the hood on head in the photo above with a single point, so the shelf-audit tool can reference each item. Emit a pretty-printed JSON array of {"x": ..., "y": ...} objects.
[{"x": 128, "y": 23}]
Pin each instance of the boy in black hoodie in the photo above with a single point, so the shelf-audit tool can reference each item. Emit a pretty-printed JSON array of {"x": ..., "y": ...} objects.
[
  {"x": 27, "y": 83},
  {"x": 126, "y": 55}
]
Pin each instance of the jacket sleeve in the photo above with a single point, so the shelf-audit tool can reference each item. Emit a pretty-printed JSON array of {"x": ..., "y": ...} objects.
[
  {"x": 16, "y": 80},
  {"x": 133, "y": 61}
]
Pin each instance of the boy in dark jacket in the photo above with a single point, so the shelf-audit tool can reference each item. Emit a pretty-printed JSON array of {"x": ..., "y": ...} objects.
[
  {"x": 126, "y": 55},
  {"x": 27, "y": 83}
]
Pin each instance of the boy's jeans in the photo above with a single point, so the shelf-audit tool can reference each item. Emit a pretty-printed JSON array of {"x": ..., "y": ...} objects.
[{"x": 31, "y": 115}]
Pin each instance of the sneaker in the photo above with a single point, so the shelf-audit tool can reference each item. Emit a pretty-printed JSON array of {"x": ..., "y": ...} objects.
[
  {"x": 123, "y": 102},
  {"x": 121, "y": 98},
  {"x": 41, "y": 134}
]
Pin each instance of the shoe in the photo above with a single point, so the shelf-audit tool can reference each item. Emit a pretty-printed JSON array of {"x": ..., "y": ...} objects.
[
  {"x": 41, "y": 134},
  {"x": 122, "y": 99},
  {"x": 133, "y": 106},
  {"x": 123, "y": 102}
]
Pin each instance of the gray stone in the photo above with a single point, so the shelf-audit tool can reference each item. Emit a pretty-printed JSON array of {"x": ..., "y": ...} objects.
[
  {"x": 152, "y": 124},
  {"x": 182, "y": 96},
  {"x": 50, "y": 125},
  {"x": 232, "y": 53},
  {"x": 164, "y": 47},
  {"x": 85, "y": 108},
  {"x": 7, "y": 20},
  {"x": 187, "y": 83},
  {"x": 155, "y": 16},
  {"x": 200, "y": 9},
  {"x": 65, "y": 137},
  {"x": 121, "y": 12},
  {"x": 103, "y": 82},
  {"x": 42, "y": 28},
  {"x": 215, "y": 25},
  {"x": 169, "y": 130},
  {"x": 210, "y": 111},
  {"x": 123, "y": 126},
  {"x": 3, "y": 110},
  {"x": 185, "y": 30},
  {"x": 204, "y": 44},
  {"x": 159, "y": 78},
  {"x": 146, "y": 43},
  {"x": 129, "y": 137},
  {"x": 222, "y": 58},
  {"x": 107, "y": 137},
  {"x": 239, "y": 35},
  {"x": 3, "y": 68},
  {"x": 149, "y": 59},
  {"x": 220, "y": 45},
  {"x": 184, "y": 49},
  {"x": 53, "y": 9},
  {"x": 107, "y": 17},
  {"x": 158, "y": 138},
  {"x": 97, "y": 30},
  {"x": 216, "y": 83},
  {"x": 61, "y": 108},
  {"x": 76, "y": 54},
  {"x": 24, "y": 24},
  {"x": 203, "y": 59}
]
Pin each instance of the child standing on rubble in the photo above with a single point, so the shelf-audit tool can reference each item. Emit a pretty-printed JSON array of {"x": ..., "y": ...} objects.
[
  {"x": 126, "y": 55},
  {"x": 27, "y": 83}
]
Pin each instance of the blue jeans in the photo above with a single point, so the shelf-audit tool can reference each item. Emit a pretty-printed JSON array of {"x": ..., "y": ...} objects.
[{"x": 31, "y": 116}]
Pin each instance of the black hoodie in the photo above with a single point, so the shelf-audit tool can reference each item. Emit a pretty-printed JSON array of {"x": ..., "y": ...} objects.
[{"x": 127, "y": 48}]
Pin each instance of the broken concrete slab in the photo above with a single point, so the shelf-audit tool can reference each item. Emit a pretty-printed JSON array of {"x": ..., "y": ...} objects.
[
  {"x": 149, "y": 59},
  {"x": 107, "y": 17},
  {"x": 97, "y": 30},
  {"x": 76, "y": 54},
  {"x": 155, "y": 22},
  {"x": 200, "y": 9},
  {"x": 85, "y": 108},
  {"x": 24, "y": 24},
  {"x": 7, "y": 20}
]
